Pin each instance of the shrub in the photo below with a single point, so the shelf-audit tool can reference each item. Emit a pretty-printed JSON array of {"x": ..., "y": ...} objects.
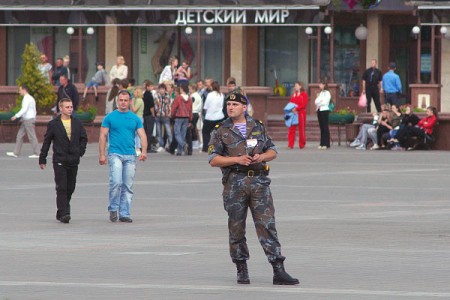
[{"x": 38, "y": 86}]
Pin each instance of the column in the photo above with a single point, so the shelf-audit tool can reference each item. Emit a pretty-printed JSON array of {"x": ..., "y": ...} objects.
[
  {"x": 445, "y": 75},
  {"x": 111, "y": 42},
  {"x": 237, "y": 54}
]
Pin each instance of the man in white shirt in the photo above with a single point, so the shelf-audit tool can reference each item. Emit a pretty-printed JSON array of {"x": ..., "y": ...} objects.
[{"x": 27, "y": 124}]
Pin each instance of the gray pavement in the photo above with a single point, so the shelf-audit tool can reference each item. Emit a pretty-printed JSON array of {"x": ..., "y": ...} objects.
[{"x": 353, "y": 225}]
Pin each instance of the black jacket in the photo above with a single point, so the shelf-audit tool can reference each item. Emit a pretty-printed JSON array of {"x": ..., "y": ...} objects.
[
  {"x": 65, "y": 151},
  {"x": 70, "y": 92}
]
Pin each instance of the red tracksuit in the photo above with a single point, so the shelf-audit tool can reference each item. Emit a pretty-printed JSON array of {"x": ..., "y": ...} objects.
[{"x": 301, "y": 99}]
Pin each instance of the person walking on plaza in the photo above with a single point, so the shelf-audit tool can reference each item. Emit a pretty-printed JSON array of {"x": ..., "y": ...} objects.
[
  {"x": 300, "y": 98},
  {"x": 69, "y": 144},
  {"x": 182, "y": 113},
  {"x": 241, "y": 147},
  {"x": 392, "y": 86},
  {"x": 371, "y": 85},
  {"x": 213, "y": 112},
  {"x": 149, "y": 113},
  {"x": 119, "y": 128},
  {"x": 322, "y": 107},
  {"x": 27, "y": 115}
]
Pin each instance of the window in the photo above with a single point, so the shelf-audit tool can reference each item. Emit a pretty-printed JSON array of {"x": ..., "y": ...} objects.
[
  {"x": 55, "y": 43},
  {"x": 153, "y": 46}
]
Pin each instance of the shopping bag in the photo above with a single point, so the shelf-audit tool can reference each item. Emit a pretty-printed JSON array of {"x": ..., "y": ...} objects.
[{"x": 362, "y": 102}]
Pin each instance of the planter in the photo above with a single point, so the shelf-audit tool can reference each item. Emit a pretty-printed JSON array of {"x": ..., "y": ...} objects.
[
  {"x": 335, "y": 118},
  {"x": 6, "y": 116},
  {"x": 84, "y": 116}
]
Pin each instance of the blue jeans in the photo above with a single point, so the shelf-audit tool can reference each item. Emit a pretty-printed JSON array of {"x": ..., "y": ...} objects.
[
  {"x": 160, "y": 122},
  {"x": 121, "y": 175},
  {"x": 180, "y": 129}
]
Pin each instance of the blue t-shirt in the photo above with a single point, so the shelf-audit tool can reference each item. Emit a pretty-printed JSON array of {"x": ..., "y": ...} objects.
[{"x": 122, "y": 128}]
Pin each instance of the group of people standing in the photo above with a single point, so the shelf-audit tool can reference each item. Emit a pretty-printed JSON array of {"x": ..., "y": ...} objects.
[
  {"x": 322, "y": 102},
  {"x": 374, "y": 83}
]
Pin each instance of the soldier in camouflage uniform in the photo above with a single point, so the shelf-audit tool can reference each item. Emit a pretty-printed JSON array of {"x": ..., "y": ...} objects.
[{"x": 241, "y": 148}]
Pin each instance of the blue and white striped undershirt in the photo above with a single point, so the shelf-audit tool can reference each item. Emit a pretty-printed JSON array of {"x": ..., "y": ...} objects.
[{"x": 242, "y": 127}]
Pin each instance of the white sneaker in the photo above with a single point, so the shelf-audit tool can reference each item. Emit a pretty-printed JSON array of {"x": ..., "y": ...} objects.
[
  {"x": 355, "y": 143},
  {"x": 361, "y": 147},
  {"x": 375, "y": 147},
  {"x": 12, "y": 154},
  {"x": 33, "y": 156},
  {"x": 160, "y": 149}
]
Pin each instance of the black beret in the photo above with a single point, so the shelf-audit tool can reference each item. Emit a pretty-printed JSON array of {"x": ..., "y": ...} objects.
[{"x": 237, "y": 98}]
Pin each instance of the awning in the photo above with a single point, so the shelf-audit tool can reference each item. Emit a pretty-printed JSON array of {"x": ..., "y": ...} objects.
[
  {"x": 433, "y": 13},
  {"x": 161, "y": 13},
  {"x": 156, "y": 4}
]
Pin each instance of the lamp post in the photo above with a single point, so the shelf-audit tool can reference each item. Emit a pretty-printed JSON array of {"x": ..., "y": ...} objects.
[
  {"x": 328, "y": 31},
  {"x": 443, "y": 34},
  {"x": 89, "y": 31},
  {"x": 209, "y": 31}
]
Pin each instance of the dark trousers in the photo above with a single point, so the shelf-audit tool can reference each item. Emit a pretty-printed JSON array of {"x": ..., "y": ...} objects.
[
  {"x": 380, "y": 131},
  {"x": 392, "y": 98},
  {"x": 149, "y": 123},
  {"x": 208, "y": 127},
  {"x": 191, "y": 134},
  {"x": 65, "y": 180},
  {"x": 411, "y": 132},
  {"x": 372, "y": 92},
  {"x": 322, "y": 116}
]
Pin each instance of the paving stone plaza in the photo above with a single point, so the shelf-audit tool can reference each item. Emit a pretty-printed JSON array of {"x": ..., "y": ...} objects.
[{"x": 352, "y": 224}]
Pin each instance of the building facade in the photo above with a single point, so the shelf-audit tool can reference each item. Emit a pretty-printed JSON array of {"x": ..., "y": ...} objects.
[{"x": 260, "y": 43}]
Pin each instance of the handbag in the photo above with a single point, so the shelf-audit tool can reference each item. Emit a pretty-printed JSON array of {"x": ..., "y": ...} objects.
[
  {"x": 331, "y": 105},
  {"x": 362, "y": 102}
]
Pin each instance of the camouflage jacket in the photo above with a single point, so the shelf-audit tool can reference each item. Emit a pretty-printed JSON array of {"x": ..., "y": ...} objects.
[{"x": 226, "y": 140}]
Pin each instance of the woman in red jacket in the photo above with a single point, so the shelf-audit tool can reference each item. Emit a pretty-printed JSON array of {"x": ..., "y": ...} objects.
[
  {"x": 300, "y": 98},
  {"x": 424, "y": 127}
]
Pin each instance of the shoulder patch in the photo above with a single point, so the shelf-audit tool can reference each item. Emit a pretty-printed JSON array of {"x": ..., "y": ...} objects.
[{"x": 211, "y": 149}]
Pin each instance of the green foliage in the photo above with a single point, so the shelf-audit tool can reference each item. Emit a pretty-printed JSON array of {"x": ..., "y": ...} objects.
[
  {"x": 37, "y": 85},
  {"x": 344, "y": 111}
]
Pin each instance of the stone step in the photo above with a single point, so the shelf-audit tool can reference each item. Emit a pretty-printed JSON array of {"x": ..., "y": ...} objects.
[{"x": 278, "y": 130}]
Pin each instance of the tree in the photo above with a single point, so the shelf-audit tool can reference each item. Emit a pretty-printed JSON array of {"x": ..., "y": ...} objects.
[{"x": 37, "y": 85}]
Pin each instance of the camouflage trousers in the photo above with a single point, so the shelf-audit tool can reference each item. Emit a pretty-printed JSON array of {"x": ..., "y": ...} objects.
[{"x": 241, "y": 193}]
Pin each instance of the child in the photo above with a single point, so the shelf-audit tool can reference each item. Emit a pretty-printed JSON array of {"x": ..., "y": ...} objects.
[{"x": 98, "y": 79}]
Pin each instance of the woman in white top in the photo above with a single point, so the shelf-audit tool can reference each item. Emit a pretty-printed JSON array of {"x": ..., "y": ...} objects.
[
  {"x": 322, "y": 102},
  {"x": 213, "y": 108},
  {"x": 119, "y": 70},
  {"x": 168, "y": 72}
]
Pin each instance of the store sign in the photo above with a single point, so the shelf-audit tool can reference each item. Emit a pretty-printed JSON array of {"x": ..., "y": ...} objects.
[{"x": 224, "y": 16}]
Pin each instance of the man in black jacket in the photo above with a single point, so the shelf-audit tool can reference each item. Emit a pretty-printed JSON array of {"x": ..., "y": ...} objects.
[
  {"x": 69, "y": 144},
  {"x": 67, "y": 90}
]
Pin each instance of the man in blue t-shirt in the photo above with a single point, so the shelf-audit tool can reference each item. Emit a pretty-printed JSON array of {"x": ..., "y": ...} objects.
[{"x": 119, "y": 127}]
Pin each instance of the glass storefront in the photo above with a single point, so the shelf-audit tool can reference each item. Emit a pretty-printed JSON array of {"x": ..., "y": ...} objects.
[
  {"x": 153, "y": 46},
  {"x": 283, "y": 56},
  {"x": 55, "y": 43}
]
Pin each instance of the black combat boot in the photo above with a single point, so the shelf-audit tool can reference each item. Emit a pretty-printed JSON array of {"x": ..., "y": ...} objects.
[
  {"x": 280, "y": 277},
  {"x": 242, "y": 272}
]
